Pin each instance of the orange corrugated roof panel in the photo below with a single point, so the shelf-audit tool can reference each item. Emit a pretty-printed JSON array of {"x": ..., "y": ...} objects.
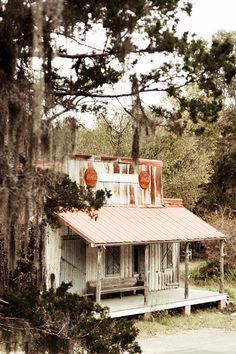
[{"x": 126, "y": 225}]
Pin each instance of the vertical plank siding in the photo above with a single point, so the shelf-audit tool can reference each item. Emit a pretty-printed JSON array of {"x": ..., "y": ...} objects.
[
  {"x": 126, "y": 261},
  {"x": 158, "y": 279},
  {"x": 91, "y": 263},
  {"x": 120, "y": 176},
  {"x": 162, "y": 278},
  {"x": 73, "y": 263},
  {"x": 52, "y": 256},
  {"x": 81, "y": 259}
]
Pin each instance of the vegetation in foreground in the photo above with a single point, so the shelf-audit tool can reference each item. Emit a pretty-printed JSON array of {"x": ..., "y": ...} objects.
[{"x": 59, "y": 322}]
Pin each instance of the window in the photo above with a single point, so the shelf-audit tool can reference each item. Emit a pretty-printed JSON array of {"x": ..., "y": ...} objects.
[
  {"x": 112, "y": 260},
  {"x": 166, "y": 255}
]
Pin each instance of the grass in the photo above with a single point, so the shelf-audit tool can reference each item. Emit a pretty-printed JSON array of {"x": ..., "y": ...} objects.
[
  {"x": 210, "y": 284},
  {"x": 165, "y": 322},
  {"x": 173, "y": 323}
]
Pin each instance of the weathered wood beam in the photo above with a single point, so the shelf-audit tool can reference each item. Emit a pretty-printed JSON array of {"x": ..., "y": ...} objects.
[
  {"x": 99, "y": 275},
  {"x": 186, "y": 279},
  {"x": 146, "y": 276},
  {"x": 221, "y": 266}
]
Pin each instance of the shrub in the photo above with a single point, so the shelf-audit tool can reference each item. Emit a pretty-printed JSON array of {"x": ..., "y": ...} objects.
[{"x": 70, "y": 317}]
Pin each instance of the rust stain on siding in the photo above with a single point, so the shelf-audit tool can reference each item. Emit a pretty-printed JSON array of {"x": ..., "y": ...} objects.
[
  {"x": 116, "y": 167},
  {"x": 131, "y": 169},
  {"x": 81, "y": 157},
  {"x": 117, "y": 190},
  {"x": 81, "y": 175},
  {"x": 109, "y": 158},
  {"x": 120, "y": 175},
  {"x": 159, "y": 181},
  {"x": 131, "y": 193},
  {"x": 124, "y": 168},
  {"x": 153, "y": 194},
  {"x": 150, "y": 162}
]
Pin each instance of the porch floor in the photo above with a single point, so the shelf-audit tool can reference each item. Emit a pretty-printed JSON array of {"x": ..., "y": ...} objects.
[{"x": 159, "y": 300}]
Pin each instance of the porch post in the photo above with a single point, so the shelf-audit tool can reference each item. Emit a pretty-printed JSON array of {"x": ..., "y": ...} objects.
[
  {"x": 146, "y": 277},
  {"x": 221, "y": 266},
  {"x": 99, "y": 275},
  {"x": 186, "y": 280}
]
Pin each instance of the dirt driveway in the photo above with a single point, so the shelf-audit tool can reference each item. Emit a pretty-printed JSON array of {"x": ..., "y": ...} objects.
[{"x": 203, "y": 341}]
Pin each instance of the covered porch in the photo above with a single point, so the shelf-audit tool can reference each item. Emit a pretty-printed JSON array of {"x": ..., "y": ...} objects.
[
  {"x": 111, "y": 259},
  {"x": 162, "y": 300}
]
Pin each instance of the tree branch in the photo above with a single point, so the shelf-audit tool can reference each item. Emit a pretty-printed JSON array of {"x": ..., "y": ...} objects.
[
  {"x": 101, "y": 55},
  {"x": 119, "y": 95}
]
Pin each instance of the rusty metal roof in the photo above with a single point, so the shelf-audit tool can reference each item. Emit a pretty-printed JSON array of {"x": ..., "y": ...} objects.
[{"x": 126, "y": 225}]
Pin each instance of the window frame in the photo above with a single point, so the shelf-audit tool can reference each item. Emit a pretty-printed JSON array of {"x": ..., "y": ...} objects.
[
  {"x": 166, "y": 256},
  {"x": 115, "y": 253}
]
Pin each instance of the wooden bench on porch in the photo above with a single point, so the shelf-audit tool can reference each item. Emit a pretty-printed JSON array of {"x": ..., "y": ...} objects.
[{"x": 116, "y": 285}]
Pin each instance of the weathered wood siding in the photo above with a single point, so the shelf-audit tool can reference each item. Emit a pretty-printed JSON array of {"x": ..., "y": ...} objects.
[
  {"x": 158, "y": 278},
  {"x": 65, "y": 257},
  {"x": 162, "y": 278},
  {"x": 126, "y": 266},
  {"x": 53, "y": 254},
  {"x": 126, "y": 261},
  {"x": 121, "y": 177},
  {"x": 75, "y": 260},
  {"x": 73, "y": 263}
]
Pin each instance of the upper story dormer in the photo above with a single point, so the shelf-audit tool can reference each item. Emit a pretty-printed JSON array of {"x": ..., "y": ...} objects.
[{"x": 130, "y": 183}]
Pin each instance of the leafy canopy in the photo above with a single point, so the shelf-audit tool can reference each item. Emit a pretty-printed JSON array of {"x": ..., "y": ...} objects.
[{"x": 107, "y": 37}]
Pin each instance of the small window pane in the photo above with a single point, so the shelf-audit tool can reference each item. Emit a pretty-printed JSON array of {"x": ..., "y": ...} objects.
[
  {"x": 112, "y": 260},
  {"x": 166, "y": 255}
]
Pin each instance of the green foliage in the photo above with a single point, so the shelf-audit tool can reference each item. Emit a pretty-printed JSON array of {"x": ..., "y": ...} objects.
[
  {"x": 25, "y": 304},
  {"x": 211, "y": 271},
  {"x": 225, "y": 222},
  {"x": 230, "y": 274},
  {"x": 206, "y": 272},
  {"x": 222, "y": 187},
  {"x": 187, "y": 157},
  {"x": 63, "y": 194},
  {"x": 109, "y": 137},
  {"x": 71, "y": 317},
  {"x": 187, "y": 161},
  {"x": 187, "y": 60},
  {"x": 195, "y": 274}
]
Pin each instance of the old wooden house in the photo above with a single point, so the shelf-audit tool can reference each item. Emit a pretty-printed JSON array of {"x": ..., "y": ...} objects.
[{"x": 127, "y": 257}]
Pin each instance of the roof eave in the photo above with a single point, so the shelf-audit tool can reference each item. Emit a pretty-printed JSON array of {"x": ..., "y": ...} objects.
[{"x": 158, "y": 241}]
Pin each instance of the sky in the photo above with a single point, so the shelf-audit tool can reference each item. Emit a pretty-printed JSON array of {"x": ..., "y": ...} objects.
[
  {"x": 210, "y": 16},
  {"x": 207, "y": 18}
]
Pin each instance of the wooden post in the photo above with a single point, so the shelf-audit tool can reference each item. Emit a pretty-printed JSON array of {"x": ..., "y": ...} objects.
[
  {"x": 177, "y": 259},
  {"x": 186, "y": 282},
  {"x": 99, "y": 275},
  {"x": 187, "y": 310},
  {"x": 221, "y": 266},
  {"x": 146, "y": 280}
]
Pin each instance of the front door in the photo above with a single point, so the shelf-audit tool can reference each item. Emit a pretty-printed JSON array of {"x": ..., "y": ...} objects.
[{"x": 139, "y": 260}]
